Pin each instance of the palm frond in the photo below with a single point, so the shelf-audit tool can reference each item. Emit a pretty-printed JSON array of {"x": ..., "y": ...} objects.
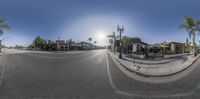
[
  {"x": 4, "y": 26},
  {"x": 1, "y": 32},
  {"x": 198, "y": 22},
  {"x": 190, "y": 34},
  {"x": 136, "y": 40},
  {"x": 189, "y": 21},
  {"x": 2, "y": 21},
  {"x": 183, "y": 26},
  {"x": 198, "y": 26}
]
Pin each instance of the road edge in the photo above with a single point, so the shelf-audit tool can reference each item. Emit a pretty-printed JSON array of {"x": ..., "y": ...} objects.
[{"x": 150, "y": 75}]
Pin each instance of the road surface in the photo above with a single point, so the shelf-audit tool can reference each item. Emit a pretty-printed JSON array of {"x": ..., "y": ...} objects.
[{"x": 84, "y": 75}]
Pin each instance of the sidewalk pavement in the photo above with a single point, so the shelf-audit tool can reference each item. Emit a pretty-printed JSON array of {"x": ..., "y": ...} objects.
[
  {"x": 151, "y": 62},
  {"x": 156, "y": 70}
]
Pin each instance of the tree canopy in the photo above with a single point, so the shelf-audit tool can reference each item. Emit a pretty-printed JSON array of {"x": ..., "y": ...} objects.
[
  {"x": 192, "y": 26},
  {"x": 136, "y": 40},
  {"x": 3, "y": 26}
]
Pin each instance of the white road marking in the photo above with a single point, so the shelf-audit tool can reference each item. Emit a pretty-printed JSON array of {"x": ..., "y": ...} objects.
[
  {"x": 114, "y": 87},
  {"x": 65, "y": 54},
  {"x": 30, "y": 54}
]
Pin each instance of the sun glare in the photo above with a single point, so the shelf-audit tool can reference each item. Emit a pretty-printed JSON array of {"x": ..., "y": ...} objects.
[{"x": 101, "y": 36}]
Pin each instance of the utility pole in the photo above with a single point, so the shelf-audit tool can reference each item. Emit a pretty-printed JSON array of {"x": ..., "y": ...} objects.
[
  {"x": 58, "y": 43},
  {"x": 120, "y": 30},
  {"x": 68, "y": 45},
  {"x": 114, "y": 38}
]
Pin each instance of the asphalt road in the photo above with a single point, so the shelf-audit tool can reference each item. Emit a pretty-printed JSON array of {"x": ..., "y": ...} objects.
[{"x": 84, "y": 75}]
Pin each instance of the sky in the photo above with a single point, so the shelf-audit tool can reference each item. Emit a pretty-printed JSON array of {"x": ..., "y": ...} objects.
[{"x": 154, "y": 21}]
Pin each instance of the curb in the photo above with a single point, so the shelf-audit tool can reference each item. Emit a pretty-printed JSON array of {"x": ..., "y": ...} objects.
[
  {"x": 150, "y": 63},
  {"x": 146, "y": 75}
]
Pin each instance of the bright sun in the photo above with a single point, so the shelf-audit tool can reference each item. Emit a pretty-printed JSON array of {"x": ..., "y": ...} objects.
[{"x": 101, "y": 36}]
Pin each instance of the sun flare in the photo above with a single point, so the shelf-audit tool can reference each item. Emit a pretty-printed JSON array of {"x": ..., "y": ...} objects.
[{"x": 101, "y": 36}]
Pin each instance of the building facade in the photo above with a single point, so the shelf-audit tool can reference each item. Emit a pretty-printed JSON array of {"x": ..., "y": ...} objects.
[{"x": 61, "y": 45}]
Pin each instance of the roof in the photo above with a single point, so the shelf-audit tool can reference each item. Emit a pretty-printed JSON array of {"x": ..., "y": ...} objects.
[
  {"x": 82, "y": 42},
  {"x": 60, "y": 41},
  {"x": 171, "y": 41},
  {"x": 144, "y": 43}
]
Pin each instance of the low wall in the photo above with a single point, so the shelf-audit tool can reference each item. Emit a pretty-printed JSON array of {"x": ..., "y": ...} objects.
[
  {"x": 175, "y": 55},
  {"x": 139, "y": 56}
]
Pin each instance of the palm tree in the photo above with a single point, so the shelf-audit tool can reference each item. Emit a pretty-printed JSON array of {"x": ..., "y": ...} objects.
[
  {"x": 48, "y": 45},
  {"x": 90, "y": 39},
  {"x": 163, "y": 48},
  {"x": 69, "y": 43},
  {"x": 3, "y": 26},
  {"x": 95, "y": 44},
  {"x": 125, "y": 43},
  {"x": 39, "y": 43},
  {"x": 192, "y": 27},
  {"x": 136, "y": 40}
]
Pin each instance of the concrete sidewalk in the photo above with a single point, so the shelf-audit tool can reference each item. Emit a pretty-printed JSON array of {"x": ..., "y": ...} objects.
[
  {"x": 156, "y": 69},
  {"x": 152, "y": 62}
]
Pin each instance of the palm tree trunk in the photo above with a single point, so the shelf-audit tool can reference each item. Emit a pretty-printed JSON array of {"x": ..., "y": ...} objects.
[
  {"x": 194, "y": 45},
  {"x": 0, "y": 46},
  {"x": 69, "y": 46},
  {"x": 114, "y": 44}
]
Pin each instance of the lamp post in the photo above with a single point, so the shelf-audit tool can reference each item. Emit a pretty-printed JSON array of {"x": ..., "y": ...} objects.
[
  {"x": 120, "y": 30},
  {"x": 114, "y": 39},
  {"x": 58, "y": 44}
]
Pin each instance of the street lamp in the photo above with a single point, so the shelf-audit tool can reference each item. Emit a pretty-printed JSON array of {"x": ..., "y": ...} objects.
[
  {"x": 58, "y": 44},
  {"x": 120, "y": 30}
]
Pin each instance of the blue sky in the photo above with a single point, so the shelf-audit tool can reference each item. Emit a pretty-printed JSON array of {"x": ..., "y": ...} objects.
[{"x": 153, "y": 21}]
